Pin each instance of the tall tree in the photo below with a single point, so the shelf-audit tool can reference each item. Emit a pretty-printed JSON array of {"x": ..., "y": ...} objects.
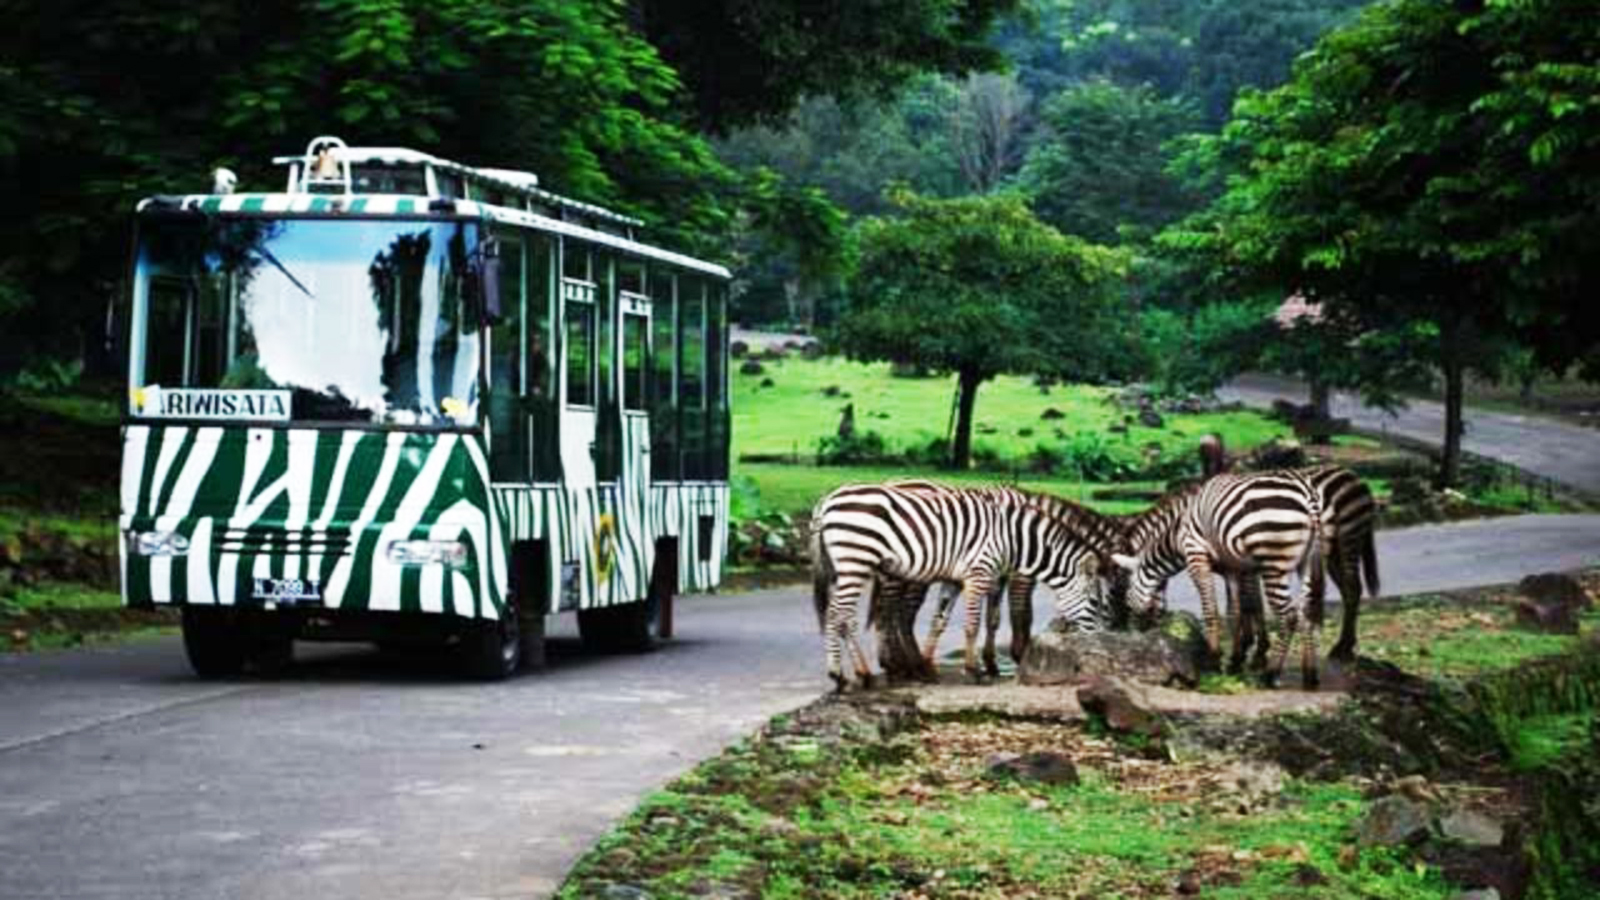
[
  {"x": 1430, "y": 169},
  {"x": 987, "y": 122},
  {"x": 750, "y": 61},
  {"x": 1101, "y": 165},
  {"x": 977, "y": 286}
]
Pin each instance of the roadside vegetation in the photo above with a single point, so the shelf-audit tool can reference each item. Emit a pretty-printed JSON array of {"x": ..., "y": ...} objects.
[{"x": 1457, "y": 710}]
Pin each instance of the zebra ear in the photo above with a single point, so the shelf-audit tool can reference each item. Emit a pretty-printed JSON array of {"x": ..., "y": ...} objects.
[{"x": 1127, "y": 562}]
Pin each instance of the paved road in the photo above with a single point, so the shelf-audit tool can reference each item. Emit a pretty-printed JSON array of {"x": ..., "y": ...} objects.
[
  {"x": 1569, "y": 454},
  {"x": 362, "y": 776}
]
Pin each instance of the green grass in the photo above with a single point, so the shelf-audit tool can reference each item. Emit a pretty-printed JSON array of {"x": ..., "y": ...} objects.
[
  {"x": 858, "y": 833},
  {"x": 60, "y": 595},
  {"x": 1444, "y": 638},
  {"x": 792, "y": 415},
  {"x": 795, "y": 489},
  {"x": 1538, "y": 741}
]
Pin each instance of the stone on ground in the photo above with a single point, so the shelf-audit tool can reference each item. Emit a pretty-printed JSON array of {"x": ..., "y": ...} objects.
[
  {"x": 1392, "y": 821},
  {"x": 1125, "y": 705},
  {"x": 1040, "y": 766},
  {"x": 1175, "y": 653}
]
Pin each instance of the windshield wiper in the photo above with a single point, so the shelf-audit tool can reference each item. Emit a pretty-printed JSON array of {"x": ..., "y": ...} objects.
[{"x": 266, "y": 254}]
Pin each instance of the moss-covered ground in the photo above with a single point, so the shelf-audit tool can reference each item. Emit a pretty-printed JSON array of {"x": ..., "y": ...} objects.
[{"x": 889, "y": 808}]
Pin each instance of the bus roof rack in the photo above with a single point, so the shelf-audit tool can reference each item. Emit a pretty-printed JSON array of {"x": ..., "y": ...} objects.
[{"x": 328, "y": 164}]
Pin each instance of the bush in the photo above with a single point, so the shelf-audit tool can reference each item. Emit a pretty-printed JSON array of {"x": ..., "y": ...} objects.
[{"x": 857, "y": 448}]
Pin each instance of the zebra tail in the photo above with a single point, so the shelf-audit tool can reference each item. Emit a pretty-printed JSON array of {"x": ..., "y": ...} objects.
[
  {"x": 1317, "y": 560},
  {"x": 1369, "y": 563},
  {"x": 821, "y": 579}
]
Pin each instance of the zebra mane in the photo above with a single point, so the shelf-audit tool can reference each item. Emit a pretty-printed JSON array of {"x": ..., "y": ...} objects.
[
  {"x": 1139, "y": 528},
  {"x": 1100, "y": 532}
]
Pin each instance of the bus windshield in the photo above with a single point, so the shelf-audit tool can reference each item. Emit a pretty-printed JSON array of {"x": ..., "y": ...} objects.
[{"x": 342, "y": 320}]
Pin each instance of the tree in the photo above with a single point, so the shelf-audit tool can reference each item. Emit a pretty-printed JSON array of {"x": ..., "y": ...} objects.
[
  {"x": 977, "y": 286},
  {"x": 1100, "y": 166},
  {"x": 987, "y": 122},
  {"x": 1429, "y": 171},
  {"x": 748, "y": 62},
  {"x": 568, "y": 90}
]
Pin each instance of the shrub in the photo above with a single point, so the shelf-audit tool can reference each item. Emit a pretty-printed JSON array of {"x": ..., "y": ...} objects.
[{"x": 856, "y": 448}]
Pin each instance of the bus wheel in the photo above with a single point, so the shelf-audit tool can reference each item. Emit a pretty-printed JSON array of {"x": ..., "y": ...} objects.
[
  {"x": 625, "y": 628},
  {"x": 214, "y": 642},
  {"x": 491, "y": 649}
]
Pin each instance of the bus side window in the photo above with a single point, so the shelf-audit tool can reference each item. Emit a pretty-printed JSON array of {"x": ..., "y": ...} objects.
[
  {"x": 634, "y": 359},
  {"x": 166, "y": 343},
  {"x": 717, "y": 417},
  {"x": 692, "y": 377},
  {"x": 543, "y": 288},
  {"x": 508, "y": 452},
  {"x": 664, "y": 381}
]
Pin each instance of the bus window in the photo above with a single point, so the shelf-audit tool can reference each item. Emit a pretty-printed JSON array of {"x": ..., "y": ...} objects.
[
  {"x": 580, "y": 353},
  {"x": 605, "y": 318},
  {"x": 543, "y": 280},
  {"x": 717, "y": 382},
  {"x": 166, "y": 335},
  {"x": 691, "y": 377},
  {"x": 633, "y": 361},
  {"x": 630, "y": 277},
  {"x": 663, "y": 393},
  {"x": 508, "y": 451},
  {"x": 575, "y": 261}
]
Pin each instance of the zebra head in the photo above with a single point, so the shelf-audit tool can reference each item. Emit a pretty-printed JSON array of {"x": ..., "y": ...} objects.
[
  {"x": 1080, "y": 597},
  {"x": 1147, "y": 583}
]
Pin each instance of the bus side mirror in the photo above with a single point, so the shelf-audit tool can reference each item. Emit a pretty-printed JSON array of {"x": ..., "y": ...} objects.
[{"x": 489, "y": 281}]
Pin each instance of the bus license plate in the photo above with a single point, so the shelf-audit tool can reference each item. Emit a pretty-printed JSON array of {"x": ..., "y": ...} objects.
[{"x": 286, "y": 590}]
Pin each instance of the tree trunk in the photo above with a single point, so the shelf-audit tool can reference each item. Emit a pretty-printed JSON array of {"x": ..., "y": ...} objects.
[
  {"x": 1321, "y": 409},
  {"x": 961, "y": 447},
  {"x": 1454, "y": 388}
]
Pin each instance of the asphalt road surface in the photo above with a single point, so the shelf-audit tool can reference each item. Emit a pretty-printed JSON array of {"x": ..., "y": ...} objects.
[
  {"x": 365, "y": 776},
  {"x": 1569, "y": 454}
]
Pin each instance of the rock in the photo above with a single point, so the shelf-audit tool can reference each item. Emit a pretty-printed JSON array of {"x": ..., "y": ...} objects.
[
  {"x": 1466, "y": 826},
  {"x": 1042, "y": 766},
  {"x": 1278, "y": 453},
  {"x": 1149, "y": 418},
  {"x": 1307, "y": 875},
  {"x": 1153, "y": 657},
  {"x": 1025, "y": 432},
  {"x": 1256, "y": 780},
  {"x": 738, "y": 349},
  {"x": 1557, "y": 587},
  {"x": 1050, "y": 412},
  {"x": 832, "y": 390},
  {"x": 625, "y": 892},
  {"x": 812, "y": 350},
  {"x": 1547, "y": 617},
  {"x": 1124, "y": 705},
  {"x": 751, "y": 367},
  {"x": 1479, "y": 894},
  {"x": 1392, "y": 821},
  {"x": 767, "y": 382},
  {"x": 1188, "y": 883}
]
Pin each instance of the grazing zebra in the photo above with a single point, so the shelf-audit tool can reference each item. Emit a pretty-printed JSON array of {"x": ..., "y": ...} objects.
[
  {"x": 1349, "y": 517},
  {"x": 1266, "y": 525},
  {"x": 927, "y": 535},
  {"x": 1102, "y": 536}
]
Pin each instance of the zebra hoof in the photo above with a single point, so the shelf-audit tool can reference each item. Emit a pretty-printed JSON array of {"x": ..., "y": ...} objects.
[
  {"x": 840, "y": 683},
  {"x": 1267, "y": 678},
  {"x": 866, "y": 680},
  {"x": 1310, "y": 679}
]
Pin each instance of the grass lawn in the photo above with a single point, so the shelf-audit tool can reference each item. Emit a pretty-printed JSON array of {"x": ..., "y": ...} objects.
[
  {"x": 794, "y": 413},
  {"x": 794, "y": 489}
]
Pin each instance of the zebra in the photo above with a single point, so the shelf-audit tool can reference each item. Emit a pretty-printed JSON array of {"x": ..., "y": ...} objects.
[
  {"x": 1349, "y": 518},
  {"x": 926, "y": 535},
  {"x": 1266, "y": 525}
]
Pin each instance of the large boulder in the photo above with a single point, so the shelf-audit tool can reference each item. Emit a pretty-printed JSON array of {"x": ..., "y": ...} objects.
[
  {"x": 1392, "y": 821},
  {"x": 1125, "y": 706},
  {"x": 1173, "y": 653}
]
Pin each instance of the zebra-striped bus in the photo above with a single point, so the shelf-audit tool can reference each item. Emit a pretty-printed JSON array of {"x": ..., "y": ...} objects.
[{"x": 406, "y": 400}]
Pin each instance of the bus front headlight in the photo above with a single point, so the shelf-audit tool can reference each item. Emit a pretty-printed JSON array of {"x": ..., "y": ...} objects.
[
  {"x": 160, "y": 543},
  {"x": 428, "y": 553}
]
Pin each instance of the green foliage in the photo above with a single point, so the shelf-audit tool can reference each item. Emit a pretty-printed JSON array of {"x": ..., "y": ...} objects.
[
  {"x": 751, "y": 61},
  {"x": 1099, "y": 169},
  {"x": 1196, "y": 352},
  {"x": 978, "y": 286},
  {"x": 854, "y": 448}
]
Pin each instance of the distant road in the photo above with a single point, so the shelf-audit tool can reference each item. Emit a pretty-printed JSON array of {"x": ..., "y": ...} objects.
[
  {"x": 1568, "y": 454},
  {"x": 366, "y": 778}
]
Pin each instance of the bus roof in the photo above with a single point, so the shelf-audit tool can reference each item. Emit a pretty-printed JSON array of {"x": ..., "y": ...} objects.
[{"x": 390, "y": 205}]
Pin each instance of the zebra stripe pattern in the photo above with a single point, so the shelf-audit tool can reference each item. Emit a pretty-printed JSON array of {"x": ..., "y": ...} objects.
[
  {"x": 1267, "y": 523},
  {"x": 926, "y": 535}
]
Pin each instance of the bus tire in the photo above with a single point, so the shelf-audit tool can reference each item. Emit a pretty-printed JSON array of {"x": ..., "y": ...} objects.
[
  {"x": 491, "y": 649},
  {"x": 214, "y": 642}
]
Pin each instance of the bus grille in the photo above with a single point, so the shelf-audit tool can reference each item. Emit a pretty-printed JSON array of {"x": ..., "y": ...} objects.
[{"x": 284, "y": 541}]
